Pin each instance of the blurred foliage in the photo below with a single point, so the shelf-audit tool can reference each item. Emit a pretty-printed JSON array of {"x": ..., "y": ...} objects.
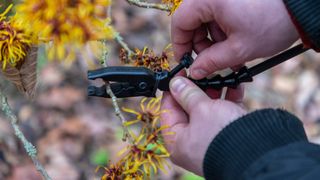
[
  {"x": 5, "y": 3},
  {"x": 100, "y": 157},
  {"x": 42, "y": 60},
  {"x": 191, "y": 176},
  {"x": 119, "y": 134}
]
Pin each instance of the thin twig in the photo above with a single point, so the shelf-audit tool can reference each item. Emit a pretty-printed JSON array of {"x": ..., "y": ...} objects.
[
  {"x": 30, "y": 149},
  {"x": 126, "y": 134},
  {"x": 117, "y": 110},
  {"x": 123, "y": 44},
  {"x": 162, "y": 7},
  {"x": 118, "y": 37}
]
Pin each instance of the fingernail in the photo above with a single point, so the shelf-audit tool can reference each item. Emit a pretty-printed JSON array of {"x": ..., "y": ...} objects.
[
  {"x": 199, "y": 73},
  {"x": 177, "y": 85}
]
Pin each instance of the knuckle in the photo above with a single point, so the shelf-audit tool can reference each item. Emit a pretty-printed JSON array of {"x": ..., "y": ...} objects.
[
  {"x": 211, "y": 64},
  {"x": 238, "y": 49},
  {"x": 189, "y": 95}
]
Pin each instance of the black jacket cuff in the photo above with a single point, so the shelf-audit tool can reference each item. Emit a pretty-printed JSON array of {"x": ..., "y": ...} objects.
[
  {"x": 245, "y": 140},
  {"x": 305, "y": 15}
]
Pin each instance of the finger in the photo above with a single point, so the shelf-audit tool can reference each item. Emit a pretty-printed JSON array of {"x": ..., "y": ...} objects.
[
  {"x": 187, "y": 94},
  {"x": 174, "y": 112},
  {"x": 175, "y": 118},
  {"x": 237, "y": 67},
  {"x": 216, "y": 32},
  {"x": 201, "y": 45},
  {"x": 201, "y": 40},
  {"x": 183, "y": 27},
  {"x": 235, "y": 95},
  {"x": 219, "y": 56},
  {"x": 181, "y": 42},
  {"x": 214, "y": 94},
  {"x": 182, "y": 73}
]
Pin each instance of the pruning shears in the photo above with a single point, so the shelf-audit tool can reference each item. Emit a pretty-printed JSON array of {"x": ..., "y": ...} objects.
[{"x": 141, "y": 81}]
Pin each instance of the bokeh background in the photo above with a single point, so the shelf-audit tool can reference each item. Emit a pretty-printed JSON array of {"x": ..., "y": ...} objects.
[{"x": 74, "y": 133}]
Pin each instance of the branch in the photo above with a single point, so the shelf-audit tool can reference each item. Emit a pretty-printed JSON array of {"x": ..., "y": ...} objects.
[
  {"x": 30, "y": 149},
  {"x": 123, "y": 44},
  {"x": 118, "y": 37},
  {"x": 119, "y": 114},
  {"x": 162, "y": 7},
  {"x": 117, "y": 110}
]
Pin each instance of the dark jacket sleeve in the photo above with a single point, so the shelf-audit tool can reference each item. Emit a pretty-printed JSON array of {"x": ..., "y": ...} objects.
[
  {"x": 266, "y": 144},
  {"x": 306, "y": 17}
]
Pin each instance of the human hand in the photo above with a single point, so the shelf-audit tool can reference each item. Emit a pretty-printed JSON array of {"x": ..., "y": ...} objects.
[
  {"x": 241, "y": 30},
  {"x": 196, "y": 120}
]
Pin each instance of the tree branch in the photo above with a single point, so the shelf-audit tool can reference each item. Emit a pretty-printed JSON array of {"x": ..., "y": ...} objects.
[
  {"x": 117, "y": 110},
  {"x": 162, "y": 7},
  {"x": 123, "y": 44},
  {"x": 118, "y": 37},
  {"x": 126, "y": 134},
  {"x": 30, "y": 149}
]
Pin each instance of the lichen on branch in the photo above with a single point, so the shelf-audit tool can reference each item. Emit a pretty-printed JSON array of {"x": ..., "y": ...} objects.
[
  {"x": 162, "y": 7},
  {"x": 30, "y": 148}
]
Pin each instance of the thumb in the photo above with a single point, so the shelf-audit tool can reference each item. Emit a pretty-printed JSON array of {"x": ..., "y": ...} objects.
[
  {"x": 187, "y": 94},
  {"x": 219, "y": 56}
]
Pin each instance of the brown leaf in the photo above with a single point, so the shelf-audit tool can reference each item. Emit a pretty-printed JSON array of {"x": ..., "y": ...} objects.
[{"x": 24, "y": 76}]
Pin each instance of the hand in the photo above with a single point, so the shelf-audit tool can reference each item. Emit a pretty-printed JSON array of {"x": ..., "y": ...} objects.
[
  {"x": 196, "y": 120},
  {"x": 241, "y": 30}
]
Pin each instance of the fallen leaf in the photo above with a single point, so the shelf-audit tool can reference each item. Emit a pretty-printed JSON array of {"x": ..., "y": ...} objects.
[{"x": 24, "y": 76}]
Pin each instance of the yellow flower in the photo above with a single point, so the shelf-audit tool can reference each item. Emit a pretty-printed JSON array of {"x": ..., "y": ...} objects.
[
  {"x": 156, "y": 159},
  {"x": 147, "y": 58},
  {"x": 133, "y": 152},
  {"x": 156, "y": 136},
  {"x": 174, "y": 4},
  {"x": 149, "y": 113},
  {"x": 14, "y": 41},
  {"x": 145, "y": 153},
  {"x": 157, "y": 153},
  {"x": 67, "y": 24},
  {"x": 138, "y": 156},
  {"x": 135, "y": 176},
  {"x": 113, "y": 172},
  {"x": 117, "y": 172}
]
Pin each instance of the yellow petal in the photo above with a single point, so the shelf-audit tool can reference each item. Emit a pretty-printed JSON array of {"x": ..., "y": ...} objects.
[
  {"x": 130, "y": 111},
  {"x": 129, "y": 123},
  {"x": 124, "y": 150},
  {"x": 141, "y": 136},
  {"x": 6, "y": 11},
  {"x": 142, "y": 104},
  {"x": 152, "y": 164}
]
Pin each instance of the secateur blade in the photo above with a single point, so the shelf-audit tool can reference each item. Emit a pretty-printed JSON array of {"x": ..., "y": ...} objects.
[
  {"x": 124, "y": 81},
  {"x": 122, "y": 74},
  {"x": 119, "y": 90}
]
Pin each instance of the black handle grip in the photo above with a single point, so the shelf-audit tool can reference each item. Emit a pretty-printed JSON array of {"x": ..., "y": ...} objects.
[{"x": 232, "y": 80}]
